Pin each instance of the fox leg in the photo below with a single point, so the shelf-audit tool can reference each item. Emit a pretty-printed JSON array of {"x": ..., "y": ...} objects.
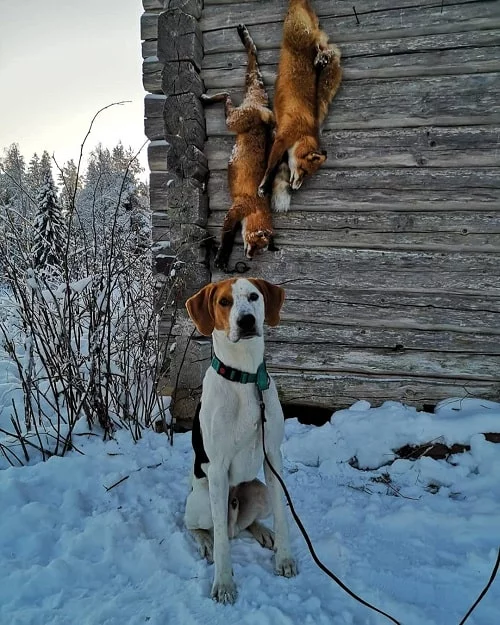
[
  {"x": 277, "y": 151},
  {"x": 255, "y": 91},
  {"x": 229, "y": 229},
  {"x": 224, "y": 96},
  {"x": 329, "y": 79}
]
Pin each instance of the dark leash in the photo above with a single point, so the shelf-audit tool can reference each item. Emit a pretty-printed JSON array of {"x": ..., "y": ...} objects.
[
  {"x": 296, "y": 517},
  {"x": 260, "y": 390}
]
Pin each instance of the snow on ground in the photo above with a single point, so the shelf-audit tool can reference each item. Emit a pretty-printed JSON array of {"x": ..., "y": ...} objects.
[{"x": 74, "y": 551}]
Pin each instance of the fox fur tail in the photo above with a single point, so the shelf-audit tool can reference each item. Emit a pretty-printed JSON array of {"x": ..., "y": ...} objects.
[{"x": 281, "y": 193}]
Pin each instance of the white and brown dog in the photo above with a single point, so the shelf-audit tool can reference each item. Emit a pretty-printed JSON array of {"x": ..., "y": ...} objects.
[{"x": 227, "y": 436}]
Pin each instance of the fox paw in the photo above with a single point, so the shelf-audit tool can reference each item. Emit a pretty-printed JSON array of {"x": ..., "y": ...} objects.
[
  {"x": 222, "y": 262},
  {"x": 323, "y": 57}
]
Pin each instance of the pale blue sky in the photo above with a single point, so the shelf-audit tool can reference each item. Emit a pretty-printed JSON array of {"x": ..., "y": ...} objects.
[{"x": 61, "y": 61}]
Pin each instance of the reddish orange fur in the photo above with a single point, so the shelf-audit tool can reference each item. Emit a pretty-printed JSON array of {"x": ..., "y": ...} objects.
[
  {"x": 204, "y": 310},
  {"x": 251, "y": 121},
  {"x": 309, "y": 75}
]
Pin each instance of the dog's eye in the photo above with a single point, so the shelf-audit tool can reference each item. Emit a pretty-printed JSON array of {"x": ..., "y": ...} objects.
[
  {"x": 224, "y": 302},
  {"x": 253, "y": 297}
]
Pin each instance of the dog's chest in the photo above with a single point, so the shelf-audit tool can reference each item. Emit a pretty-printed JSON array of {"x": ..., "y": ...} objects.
[
  {"x": 231, "y": 426},
  {"x": 247, "y": 451}
]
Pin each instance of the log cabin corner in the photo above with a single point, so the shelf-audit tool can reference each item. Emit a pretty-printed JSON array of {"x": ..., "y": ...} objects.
[{"x": 390, "y": 255}]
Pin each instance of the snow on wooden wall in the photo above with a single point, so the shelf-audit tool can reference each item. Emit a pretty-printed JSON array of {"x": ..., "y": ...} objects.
[{"x": 390, "y": 255}]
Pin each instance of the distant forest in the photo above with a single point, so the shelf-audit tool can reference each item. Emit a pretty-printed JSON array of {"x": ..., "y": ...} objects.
[{"x": 39, "y": 210}]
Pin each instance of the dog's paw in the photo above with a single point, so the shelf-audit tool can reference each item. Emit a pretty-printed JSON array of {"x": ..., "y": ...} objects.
[
  {"x": 207, "y": 551},
  {"x": 263, "y": 535},
  {"x": 262, "y": 190},
  {"x": 205, "y": 544},
  {"x": 287, "y": 567},
  {"x": 224, "y": 592}
]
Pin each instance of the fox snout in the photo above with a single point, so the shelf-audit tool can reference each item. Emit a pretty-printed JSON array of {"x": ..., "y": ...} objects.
[{"x": 256, "y": 242}]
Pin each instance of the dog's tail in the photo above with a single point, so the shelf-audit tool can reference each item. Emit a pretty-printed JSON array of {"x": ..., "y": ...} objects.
[{"x": 282, "y": 193}]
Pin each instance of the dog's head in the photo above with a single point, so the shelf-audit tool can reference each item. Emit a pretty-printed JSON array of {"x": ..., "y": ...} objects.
[{"x": 238, "y": 307}]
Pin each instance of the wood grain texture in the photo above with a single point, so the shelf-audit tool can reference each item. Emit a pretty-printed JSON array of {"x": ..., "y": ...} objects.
[
  {"x": 390, "y": 255},
  {"x": 464, "y": 146},
  {"x": 342, "y": 390},
  {"x": 467, "y": 99},
  {"x": 219, "y": 31},
  {"x": 384, "y": 230}
]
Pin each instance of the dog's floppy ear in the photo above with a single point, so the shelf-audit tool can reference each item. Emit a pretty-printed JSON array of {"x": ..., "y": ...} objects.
[
  {"x": 274, "y": 296},
  {"x": 200, "y": 309}
]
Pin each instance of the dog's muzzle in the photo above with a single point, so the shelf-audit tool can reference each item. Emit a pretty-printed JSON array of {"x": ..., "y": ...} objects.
[{"x": 246, "y": 325}]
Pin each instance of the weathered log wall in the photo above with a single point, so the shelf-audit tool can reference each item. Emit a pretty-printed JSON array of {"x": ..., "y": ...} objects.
[{"x": 391, "y": 253}]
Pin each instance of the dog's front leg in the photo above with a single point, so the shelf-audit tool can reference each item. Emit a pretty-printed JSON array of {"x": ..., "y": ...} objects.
[
  {"x": 284, "y": 562},
  {"x": 224, "y": 588}
]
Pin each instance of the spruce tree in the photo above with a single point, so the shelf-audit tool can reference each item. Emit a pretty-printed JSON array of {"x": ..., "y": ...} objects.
[
  {"x": 49, "y": 230},
  {"x": 70, "y": 182}
]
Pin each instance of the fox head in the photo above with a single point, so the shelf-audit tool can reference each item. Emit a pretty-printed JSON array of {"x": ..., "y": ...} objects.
[
  {"x": 305, "y": 160},
  {"x": 256, "y": 235}
]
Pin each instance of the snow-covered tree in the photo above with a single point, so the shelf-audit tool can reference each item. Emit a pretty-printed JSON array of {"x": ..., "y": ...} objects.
[
  {"x": 113, "y": 205},
  {"x": 17, "y": 207},
  {"x": 49, "y": 229},
  {"x": 13, "y": 182},
  {"x": 69, "y": 181}
]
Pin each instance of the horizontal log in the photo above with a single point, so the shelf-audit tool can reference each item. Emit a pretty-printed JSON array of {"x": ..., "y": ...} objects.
[
  {"x": 329, "y": 358},
  {"x": 440, "y": 63},
  {"x": 384, "y": 222},
  {"x": 393, "y": 310},
  {"x": 453, "y": 231},
  {"x": 469, "y": 99},
  {"x": 153, "y": 5},
  {"x": 154, "y": 128},
  {"x": 394, "y": 317},
  {"x": 338, "y": 344},
  {"x": 151, "y": 75},
  {"x": 221, "y": 16},
  {"x": 399, "y": 51},
  {"x": 154, "y": 105},
  {"x": 211, "y": 3},
  {"x": 367, "y": 200},
  {"x": 340, "y": 391},
  {"x": 149, "y": 25},
  {"x": 393, "y": 270},
  {"x": 379, "y": 262},
  {"x": 370, "y": 179},
  {"x": 149, "y": 48},
  {"x": 464, "y": 146},
  {"x": 220, "y": 34}
]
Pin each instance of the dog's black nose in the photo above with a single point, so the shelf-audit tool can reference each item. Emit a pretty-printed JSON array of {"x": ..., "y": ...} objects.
[{"x": 246, "y": 323}]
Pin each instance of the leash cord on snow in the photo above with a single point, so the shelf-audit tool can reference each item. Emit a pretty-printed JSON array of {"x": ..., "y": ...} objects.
[
  {"x": 485, "y": 589},
  {"x": 318, "y": 562},
  {"x": 301, "y": 526}
]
